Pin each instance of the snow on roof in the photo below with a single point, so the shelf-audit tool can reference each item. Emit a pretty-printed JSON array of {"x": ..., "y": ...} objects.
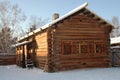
[
  {"x": 115, "y": 40},
  {"x": 22, "y": 43},
  {"x": 63, "y": 17}
]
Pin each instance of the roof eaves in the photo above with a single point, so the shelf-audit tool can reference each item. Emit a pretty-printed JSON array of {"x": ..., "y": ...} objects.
[
  {"x": 35, "y": 31},
  {"x": 22, "y": 43},
  {"x": 100, "y": 17}
]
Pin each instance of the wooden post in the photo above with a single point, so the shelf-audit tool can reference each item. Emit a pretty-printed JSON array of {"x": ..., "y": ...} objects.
[
  {"x": 49, "y": 63},
  {"x": 19, "y": 57},
  {"x": 17, "y": 54},
  {"x": 25, "y": 52},
  {"x": 23, "y": 57}
]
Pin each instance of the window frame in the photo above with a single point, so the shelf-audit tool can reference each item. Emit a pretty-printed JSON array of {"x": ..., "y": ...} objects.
[
  {"x": 64, "y": 51},
  {"x": 102, "y": 47},
  {"x": 72, "y": 44}
]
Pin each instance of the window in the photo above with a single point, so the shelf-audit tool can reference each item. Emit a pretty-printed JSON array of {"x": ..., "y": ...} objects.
[
  {"x": 84, "y": 48},
  {"x": 67, "y": 49},
  {"x": 100, "y": 48}
]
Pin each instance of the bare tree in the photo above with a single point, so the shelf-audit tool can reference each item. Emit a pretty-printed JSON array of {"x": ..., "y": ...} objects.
[
  {"x": 6, "y": 40},
  {"x": 11, "y": 18},
  {"x": 36, "y": 22},
  {"x": 116, "y": 31}
]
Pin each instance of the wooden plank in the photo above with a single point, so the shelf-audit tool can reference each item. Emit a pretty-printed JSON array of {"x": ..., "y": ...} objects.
[
  {"x": 80, "y": 21},
  {"x": 73, "y": 56},
  {"x": 79, "y": 32},
  {"x": 78, "y": 28},
  {"x": 41, "y": 35},
  {"x": 7, "y": 59},
  {"x": 41, "y": 41},
  {"x": 42, "y": 53},
  {"x": 70, "y": 37},
  {"x": 79, "y": 25}
]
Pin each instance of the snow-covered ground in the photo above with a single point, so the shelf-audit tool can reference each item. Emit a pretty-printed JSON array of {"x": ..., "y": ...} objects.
[{"x": 16, "y": 73}]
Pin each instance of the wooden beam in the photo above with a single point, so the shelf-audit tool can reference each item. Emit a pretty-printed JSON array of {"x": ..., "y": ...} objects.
[
  {"x": 91, "y": 15},
  {"x": 86, "y": 12},
  {"x": 100, "y": 21},
  {"x": 103, "y": 23},
  {"x": 97, "y": 19},
  {"x": 82, "y": 10},
  {"x": 54, "y": 26}
]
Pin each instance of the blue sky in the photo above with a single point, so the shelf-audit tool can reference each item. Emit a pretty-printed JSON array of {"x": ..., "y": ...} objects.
[{"x": 45, "y": 8}]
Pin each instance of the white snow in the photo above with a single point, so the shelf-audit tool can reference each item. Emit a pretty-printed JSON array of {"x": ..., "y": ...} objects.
[
  {"x": 13, "y": 72},
  {"x": 115, "y": 40}
]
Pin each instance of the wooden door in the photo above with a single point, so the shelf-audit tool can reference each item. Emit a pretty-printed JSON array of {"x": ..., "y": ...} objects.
[
  {"x": 29, "y": 51},
  {"x": 115, "y": 58}
]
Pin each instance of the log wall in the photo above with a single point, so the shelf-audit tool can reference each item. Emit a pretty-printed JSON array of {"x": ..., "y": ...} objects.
[
  {"x": 41, "y": 49},
  {"x": 80, "y": 30},
  {"x": 37, "y": 49},
  {"x": 7, "y": 59}
]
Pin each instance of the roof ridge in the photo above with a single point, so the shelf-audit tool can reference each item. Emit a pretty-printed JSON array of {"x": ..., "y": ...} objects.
[{"x": 55, "y": 21}]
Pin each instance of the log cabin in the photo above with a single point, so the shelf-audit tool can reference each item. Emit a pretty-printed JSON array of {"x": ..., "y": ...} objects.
[{"x": 78, "y": 39}]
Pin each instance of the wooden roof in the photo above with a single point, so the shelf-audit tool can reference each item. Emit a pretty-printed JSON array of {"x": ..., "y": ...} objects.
[{"x": 81, "y": 9}]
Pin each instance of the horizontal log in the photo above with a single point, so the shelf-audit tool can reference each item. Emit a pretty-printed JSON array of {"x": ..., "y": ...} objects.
[
  {"x": 77, "y": 37},
  {"x": 42, "y": 46},
  {"x": 80, "y": 21},
  {"x": 84, "y": 60},
  {"x": 79, "y": 32},
  {"x": 41, "y": 38},
  {"x": 73, "y": 56},
  {"x": 41, "y": 41},
  {"x": 43, "y": 50},
  {"x": 41, "y": 35},
  {"x": 78, "y": 28},
  {"x": 41, "y": 62},
  {"x": 79, "y": 25},
  {"x": 68, "y": 67},
  {"x": 42, "y": 53}
]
